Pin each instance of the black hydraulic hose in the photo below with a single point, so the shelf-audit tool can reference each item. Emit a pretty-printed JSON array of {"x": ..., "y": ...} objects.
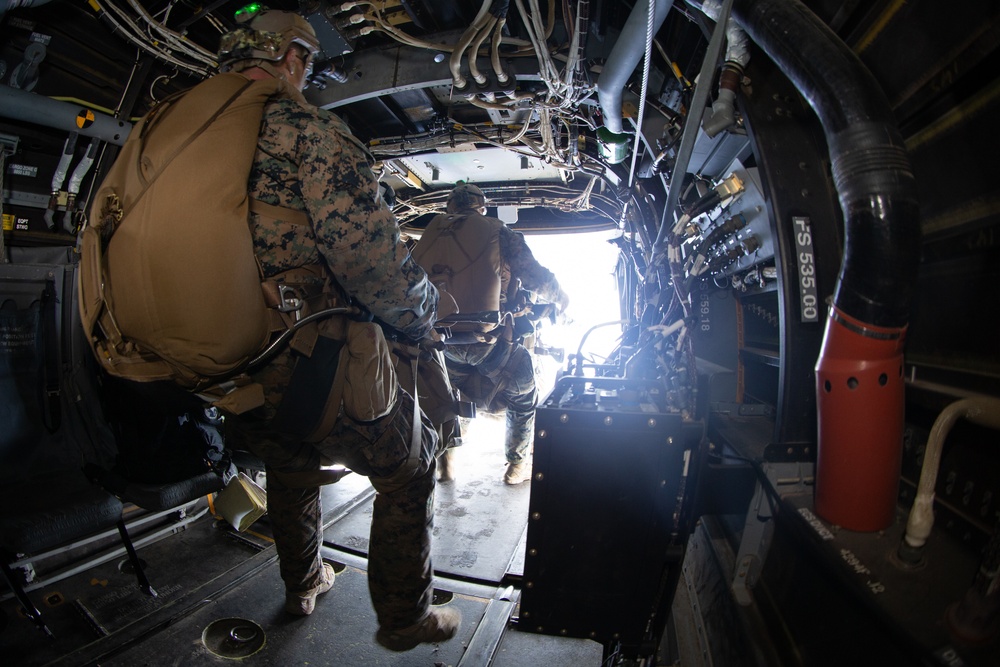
[
  {"x": 871, "y": 168},
  {"x": 733, "y": 224},
  {"x": 705, "y": 203}
]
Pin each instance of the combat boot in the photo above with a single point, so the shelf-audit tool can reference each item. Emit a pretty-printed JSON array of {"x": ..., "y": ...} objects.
[
  {"x": 439, "y": 625},
  {"x": 303, "y": 604},
  {"x": 446, "y": 466},
  {"x": 516, "y": 473}
]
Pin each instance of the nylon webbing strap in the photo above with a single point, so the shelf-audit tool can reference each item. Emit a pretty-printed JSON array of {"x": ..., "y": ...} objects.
[
  {"x": 415, "y": 448},
  {"x": 305, "y": 401},
  {"x": 331, "y": 411}
]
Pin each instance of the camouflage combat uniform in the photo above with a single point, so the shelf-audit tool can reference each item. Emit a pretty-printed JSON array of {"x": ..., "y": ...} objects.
[
  {"x": 501, "y": 374},
  {"x": 308, "y": 160}
]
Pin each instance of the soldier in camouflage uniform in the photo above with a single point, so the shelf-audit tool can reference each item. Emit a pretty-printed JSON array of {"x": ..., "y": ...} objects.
[
  {"x": 307, "y": 160},
  {"x": 500, "y": 374}
]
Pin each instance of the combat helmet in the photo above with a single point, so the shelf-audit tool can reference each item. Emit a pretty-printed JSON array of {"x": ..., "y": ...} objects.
[
  {"x": 265, "y": 34},
  {"x": 464, "y": 197}
]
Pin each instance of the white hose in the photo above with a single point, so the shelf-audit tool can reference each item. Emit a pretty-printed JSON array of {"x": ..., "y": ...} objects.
[
  {"x": 455, "y": 63},
  {"x": 131, "y": 31},
  {"x": 737, "y": 49},
  {"x": 574, "y": 54},
  {"x": 474, "y": 51},
  {"x": 495, "y": 51},
  {"x": 175, "y": 39},
  {"x": 980, "y": 410}
]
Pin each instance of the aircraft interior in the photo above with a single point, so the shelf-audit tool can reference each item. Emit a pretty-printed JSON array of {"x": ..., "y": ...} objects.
[{"x": 774, "y": 444}]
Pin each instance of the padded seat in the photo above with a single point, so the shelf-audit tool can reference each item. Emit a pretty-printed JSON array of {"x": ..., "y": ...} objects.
[
  {"x": 53, "y": 509},
  {"x": 47, "y": 511},
  {"x": 46, "y": 502},
  {"x": 155, "y": 497},
  {"x": 158, "y": 497}
]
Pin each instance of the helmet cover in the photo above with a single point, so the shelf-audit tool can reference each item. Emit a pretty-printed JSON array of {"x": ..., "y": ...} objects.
[
  {"x": 267, "y": 35},
  {"x": 466, "y": 196}
]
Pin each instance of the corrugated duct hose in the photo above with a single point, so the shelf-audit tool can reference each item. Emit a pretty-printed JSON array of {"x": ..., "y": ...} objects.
[{"x": 859, "y": 373}]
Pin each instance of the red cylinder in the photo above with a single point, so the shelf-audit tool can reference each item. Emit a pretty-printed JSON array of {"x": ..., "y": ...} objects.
[{"x": 860, "y": 397}]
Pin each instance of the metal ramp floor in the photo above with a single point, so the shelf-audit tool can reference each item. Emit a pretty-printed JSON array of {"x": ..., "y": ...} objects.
[{"x": 207, "y": 575}]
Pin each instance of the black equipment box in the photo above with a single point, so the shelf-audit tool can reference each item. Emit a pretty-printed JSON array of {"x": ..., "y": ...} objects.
[{"x": 609, "y": 512}]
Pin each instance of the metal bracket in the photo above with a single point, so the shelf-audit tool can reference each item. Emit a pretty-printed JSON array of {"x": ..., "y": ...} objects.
[
  {"x": 692, "y": 123},
  {"x": 288, "y": 300},
  {"x": 743, "y": 409},
  {"x": 8, "y": 144},
  {"x": 758, "y": 528},
  {"x": 485, "y": 642},
  {"x": 789, "y": 452},
  {"x": 26, "y": 199}
]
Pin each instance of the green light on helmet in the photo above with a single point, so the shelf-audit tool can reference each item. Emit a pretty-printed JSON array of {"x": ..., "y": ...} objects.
[{"x": 244, "y": 14}]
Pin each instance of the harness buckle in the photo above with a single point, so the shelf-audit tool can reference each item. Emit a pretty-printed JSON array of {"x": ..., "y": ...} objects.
[{"x": 289, "y": 300}]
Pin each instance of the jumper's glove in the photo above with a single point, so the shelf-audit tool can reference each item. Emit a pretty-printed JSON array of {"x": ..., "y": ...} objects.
[
  {"x": 388, "y": 194},
  {"x": 562, "y": 301}
]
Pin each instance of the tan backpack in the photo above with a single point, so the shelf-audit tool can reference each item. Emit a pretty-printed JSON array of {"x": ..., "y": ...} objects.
[
  {"x": 461, "y": 255},
  {"x": 170, "y": 288}
]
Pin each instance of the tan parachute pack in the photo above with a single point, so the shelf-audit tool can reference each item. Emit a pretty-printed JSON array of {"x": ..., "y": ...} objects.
[
  {"x": 461, "y": 255},
  {"x": 170, "y": 288}
]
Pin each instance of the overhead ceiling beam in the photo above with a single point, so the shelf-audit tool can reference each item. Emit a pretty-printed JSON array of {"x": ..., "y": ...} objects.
[{"x": 377, "y": 72}]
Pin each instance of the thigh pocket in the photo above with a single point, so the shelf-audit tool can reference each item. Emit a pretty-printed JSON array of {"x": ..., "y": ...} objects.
[
  {"x": 388, "y": 452},
  {"x": 370, "y": 384},
  {"x": 386, "y": 444}
]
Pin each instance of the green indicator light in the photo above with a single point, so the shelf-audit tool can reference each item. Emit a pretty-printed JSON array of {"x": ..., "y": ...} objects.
[{"x": 246, "y": 12}]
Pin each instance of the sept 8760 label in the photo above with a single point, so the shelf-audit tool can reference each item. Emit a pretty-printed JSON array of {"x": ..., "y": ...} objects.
[{"x": 806, "y": 260}]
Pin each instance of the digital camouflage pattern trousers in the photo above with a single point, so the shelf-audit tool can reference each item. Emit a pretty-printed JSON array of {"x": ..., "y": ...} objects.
[
  {"x": 399, "y": 558},
  {"x": 499, "y": 376}
]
